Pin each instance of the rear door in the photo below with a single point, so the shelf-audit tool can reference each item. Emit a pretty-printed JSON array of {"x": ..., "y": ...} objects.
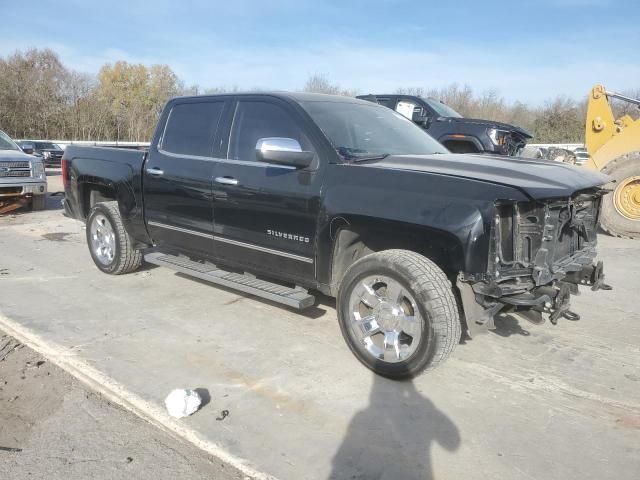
[
  {"x": 265, "y": 214},
  {"x": 177, "y": 177}
]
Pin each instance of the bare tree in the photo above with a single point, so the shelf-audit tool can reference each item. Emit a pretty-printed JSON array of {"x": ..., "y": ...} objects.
[
  {"x": 318, "y": 83},
  {"x": 41, "y": 98}
]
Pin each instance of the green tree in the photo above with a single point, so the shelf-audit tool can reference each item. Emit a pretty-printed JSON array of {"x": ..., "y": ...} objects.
[{"x": 560, "y": 121}]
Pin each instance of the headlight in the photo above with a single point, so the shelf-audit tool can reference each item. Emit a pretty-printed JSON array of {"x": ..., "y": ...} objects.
[
  {"x": 497, "y": 136},
  {"x": 38, "y": 169}
]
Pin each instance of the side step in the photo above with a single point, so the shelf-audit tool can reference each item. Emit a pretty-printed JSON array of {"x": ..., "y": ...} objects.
[{"x": 293, "y": 297}]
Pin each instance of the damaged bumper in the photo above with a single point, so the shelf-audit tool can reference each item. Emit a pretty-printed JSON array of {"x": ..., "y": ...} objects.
[
  {"x": 542, "y": 252},
  {"x": 555, "y": 300},
  {"x": 552, "y": 301}
]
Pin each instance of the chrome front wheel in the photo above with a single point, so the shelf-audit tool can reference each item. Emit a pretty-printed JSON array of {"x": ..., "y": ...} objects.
[
  {"x": 398, "y": 313},
  {"x": 384, "y": 319}
]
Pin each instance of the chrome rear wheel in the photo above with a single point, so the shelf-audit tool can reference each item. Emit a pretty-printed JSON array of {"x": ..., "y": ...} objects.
[
  {"x": 109, "y": 243},
  {"x": 103, "y": 239}
]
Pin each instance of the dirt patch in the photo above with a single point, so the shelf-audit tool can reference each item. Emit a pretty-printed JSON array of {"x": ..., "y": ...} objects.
[
  {"x": 28, "y": 392},
  {"x": 56, "y": 236},
  {"x": 52, "y": 427}
]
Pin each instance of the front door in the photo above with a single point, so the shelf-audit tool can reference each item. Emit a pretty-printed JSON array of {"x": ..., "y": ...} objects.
[
  {"x": 177, "y": 177},
  {"x": 265, "y": 215}
]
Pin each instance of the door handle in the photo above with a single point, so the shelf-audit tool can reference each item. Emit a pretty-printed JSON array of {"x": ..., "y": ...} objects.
[
  {"x": 156, "y": 172},
  {"x": 226, "y": 180}
]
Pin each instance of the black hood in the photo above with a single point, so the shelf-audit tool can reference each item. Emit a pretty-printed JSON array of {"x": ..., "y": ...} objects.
[
  {"x": 488, "y": 124},
  {"x": 539, "y": 179}
]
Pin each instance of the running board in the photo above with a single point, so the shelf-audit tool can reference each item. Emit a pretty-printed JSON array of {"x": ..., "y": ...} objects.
[{"x": 293, "y": 297}]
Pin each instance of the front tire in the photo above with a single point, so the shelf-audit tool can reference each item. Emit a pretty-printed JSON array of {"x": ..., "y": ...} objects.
[
  {"x": 620, "y": 215},
  {"x": 39, "y": 202},
  {"x": 398, "y": 313},
  {"x": 109, "y": 243}
]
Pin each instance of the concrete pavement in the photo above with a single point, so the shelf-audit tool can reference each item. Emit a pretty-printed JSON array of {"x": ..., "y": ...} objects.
[{"x": 525, "y": 402}]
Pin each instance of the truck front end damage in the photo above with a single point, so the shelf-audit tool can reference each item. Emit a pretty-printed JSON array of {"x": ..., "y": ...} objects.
[{"x": 540, "y": 253}]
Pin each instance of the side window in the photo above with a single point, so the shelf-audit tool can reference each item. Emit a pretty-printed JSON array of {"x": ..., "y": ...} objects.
[
  {"x": 255, "y": 120},
  {"x": 407, "y": 108},
  {"x": 385, "y": 101},
  {"x": 191, "y": 127}
]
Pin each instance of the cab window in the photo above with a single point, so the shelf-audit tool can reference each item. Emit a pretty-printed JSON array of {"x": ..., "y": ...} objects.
[
  {"x": 191, "y": 127},
  {"x": 254, "y": 120}
]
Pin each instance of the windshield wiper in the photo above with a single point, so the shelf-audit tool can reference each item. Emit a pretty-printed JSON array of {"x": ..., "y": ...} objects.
[
  {"x": 358, "y": 155},
  {"x": 366, "y": 158}
]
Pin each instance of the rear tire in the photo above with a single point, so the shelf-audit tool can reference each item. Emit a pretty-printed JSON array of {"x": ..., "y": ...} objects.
[
  {"x": 39, "y": 202},
  {"x": 379, "y": 294},
  {"x": 109, "y": 243},
  {"x": 620, "y": 215}
]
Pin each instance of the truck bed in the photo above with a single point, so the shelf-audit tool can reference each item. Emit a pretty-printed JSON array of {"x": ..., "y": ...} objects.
[{"x": 100, "y": 170}]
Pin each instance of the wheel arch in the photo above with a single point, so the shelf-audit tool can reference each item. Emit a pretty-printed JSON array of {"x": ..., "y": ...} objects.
[
  {"x": 467, "y": 143},
  {"x": 353, "y": 237},
  {"x": 95, "y": 192}
]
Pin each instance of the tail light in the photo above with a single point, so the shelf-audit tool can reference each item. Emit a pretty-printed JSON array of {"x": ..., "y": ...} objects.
[{"x": 65, "y": 177}]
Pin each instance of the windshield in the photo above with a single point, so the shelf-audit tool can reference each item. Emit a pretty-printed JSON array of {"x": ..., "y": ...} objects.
[
  {"x": 6, "y": 143},
  {"x": 367, "y": 130},
  {"x": 442, "y": 109},
  {"x": 47, "y": 146}
]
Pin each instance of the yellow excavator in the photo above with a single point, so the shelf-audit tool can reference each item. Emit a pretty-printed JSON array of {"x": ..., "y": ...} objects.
[{"x": 614, "y": 147}]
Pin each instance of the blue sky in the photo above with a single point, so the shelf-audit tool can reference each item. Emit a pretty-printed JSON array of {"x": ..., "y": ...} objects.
[{"x": 527, "y": 50}]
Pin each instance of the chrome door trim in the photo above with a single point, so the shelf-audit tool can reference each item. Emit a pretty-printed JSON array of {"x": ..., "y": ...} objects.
[
  {"x": 249, "y": 163},
  {"x": 230, "y": 161},
  {"x": 179, "y": 229},
  {"x": 264, "y": 249},
  {"x": 233, "y": 242}
]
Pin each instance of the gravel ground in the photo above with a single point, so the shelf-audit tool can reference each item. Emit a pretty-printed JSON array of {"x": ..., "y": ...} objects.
[{"x": 52, "y": 427}]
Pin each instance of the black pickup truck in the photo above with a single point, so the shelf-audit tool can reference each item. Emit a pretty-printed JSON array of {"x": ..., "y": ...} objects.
[
  {"x": 459, "y": 134},
  {"x": 281, "y": 194}
]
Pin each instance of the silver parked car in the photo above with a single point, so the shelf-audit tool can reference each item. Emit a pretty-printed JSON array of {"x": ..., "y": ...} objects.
[
  {"x": 22, "y": 176},
  {"x": 582, "y": 156}
]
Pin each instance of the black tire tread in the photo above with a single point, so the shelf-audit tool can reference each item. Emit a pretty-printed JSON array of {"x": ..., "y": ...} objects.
[
  {"x": 129, "y": 258},
  {"x": 39, "y": 202},
  {"x": 433, "y": 287},
  {"x": 610, "y": 169},
  {"x": 442, "y": 302}
]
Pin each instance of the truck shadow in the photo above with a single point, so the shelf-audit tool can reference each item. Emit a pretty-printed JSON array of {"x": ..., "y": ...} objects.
[
  {"x": 318, "y": 310},
  {"x": 507, "y": 325},
  {"x": 54, "y": 201},
  {"x": 393, "y": 436}
]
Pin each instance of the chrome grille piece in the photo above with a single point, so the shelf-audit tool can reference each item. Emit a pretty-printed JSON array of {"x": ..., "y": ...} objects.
[{"x": 15, "y": 169}]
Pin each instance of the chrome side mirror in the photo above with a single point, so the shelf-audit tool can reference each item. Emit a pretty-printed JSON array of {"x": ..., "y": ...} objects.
[{"x": 283, "y": 151}]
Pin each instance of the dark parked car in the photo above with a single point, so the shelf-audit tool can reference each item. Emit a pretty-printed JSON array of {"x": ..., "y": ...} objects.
[
  {"x": 50, "y": 153},
  {"x": 459, "y": 134},
  {"x": 279, "y": 194}
]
